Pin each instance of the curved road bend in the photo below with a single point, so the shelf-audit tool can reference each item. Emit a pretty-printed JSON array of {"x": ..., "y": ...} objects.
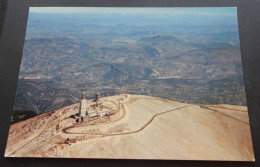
[{"x": 64, "y": 130}]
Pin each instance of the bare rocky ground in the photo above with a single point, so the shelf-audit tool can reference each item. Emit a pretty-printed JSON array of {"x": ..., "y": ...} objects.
[{"x": 143, "y": 128}]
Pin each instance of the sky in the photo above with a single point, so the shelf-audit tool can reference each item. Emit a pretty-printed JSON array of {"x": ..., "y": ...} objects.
[{"x": 224, "y": 11}]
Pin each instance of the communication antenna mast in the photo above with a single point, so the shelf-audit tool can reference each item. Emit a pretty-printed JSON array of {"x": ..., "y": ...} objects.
[{"x": 83, "y": 91}]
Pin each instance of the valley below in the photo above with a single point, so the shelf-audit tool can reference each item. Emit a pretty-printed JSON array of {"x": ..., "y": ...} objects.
[{"x": 161, "y": 64}]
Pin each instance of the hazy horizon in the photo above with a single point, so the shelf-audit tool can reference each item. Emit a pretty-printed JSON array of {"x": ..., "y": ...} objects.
[
  {"x": 138, "y": 16},
  {"x": 139, "y": 10}
]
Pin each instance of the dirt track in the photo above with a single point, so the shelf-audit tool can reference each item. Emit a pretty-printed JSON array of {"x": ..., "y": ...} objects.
[
  {"x": 126, "y": 133},
  {"x": 205, "y": 107}
]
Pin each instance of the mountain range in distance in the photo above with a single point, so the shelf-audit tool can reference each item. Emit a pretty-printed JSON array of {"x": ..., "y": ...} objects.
[{"x": 188, "y": 63}]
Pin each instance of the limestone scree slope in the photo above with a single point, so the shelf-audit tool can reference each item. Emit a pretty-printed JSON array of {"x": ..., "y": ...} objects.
[{"x": 144, "y": 128}]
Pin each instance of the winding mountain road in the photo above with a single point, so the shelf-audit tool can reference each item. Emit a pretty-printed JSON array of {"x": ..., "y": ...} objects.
[{"x": 65, "y": 130}]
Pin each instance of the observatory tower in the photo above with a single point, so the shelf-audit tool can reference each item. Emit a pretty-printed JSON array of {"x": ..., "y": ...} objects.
[{"x": 83, "y": 105}]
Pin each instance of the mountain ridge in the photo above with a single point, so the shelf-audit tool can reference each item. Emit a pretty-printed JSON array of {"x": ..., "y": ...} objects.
[{"x": 145, "y": 118}]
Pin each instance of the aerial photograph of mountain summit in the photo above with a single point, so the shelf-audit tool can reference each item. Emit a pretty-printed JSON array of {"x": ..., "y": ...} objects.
[{"x": 131, "y": 83}]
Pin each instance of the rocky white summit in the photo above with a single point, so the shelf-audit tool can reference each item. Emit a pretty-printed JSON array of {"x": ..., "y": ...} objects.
[{"x": 142, "y": 127}]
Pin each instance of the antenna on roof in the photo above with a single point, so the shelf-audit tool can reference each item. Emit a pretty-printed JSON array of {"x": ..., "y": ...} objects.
[{"x": 83, "y": 91}]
